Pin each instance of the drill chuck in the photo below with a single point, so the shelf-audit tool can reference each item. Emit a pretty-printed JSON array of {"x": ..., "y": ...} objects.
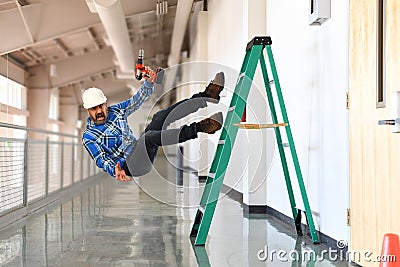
[
  {"x": 140, "y": 65},
  {"x": 140, "y": 69}
]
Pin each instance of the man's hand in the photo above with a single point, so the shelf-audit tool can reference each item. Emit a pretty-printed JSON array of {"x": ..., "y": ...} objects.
[
  {"x": 151, "y": 73},
  {"x": 120, "y": 174}
]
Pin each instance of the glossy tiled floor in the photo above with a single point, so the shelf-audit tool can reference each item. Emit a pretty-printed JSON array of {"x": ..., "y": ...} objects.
[{"x": 147, "y": 223}]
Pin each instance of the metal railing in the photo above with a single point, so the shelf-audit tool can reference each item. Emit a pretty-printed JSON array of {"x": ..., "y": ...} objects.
[
  {"x": 31, "y": 170},
  {"x": 40, "y": 241}
]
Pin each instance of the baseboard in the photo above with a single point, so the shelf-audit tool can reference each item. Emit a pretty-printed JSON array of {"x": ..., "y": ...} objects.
[
  {"x": 202, "y": 178},
  {"x": 254, "y": 209},
  {"x": 232, "y": 193},
  {"x": 238, "y": 196}
]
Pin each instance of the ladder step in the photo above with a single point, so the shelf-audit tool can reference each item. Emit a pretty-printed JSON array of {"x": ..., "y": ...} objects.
[
  {"x": 201, "y": 208},
  {"x": 259, "y": 126},
  {"x": 221, "y": 142},
  {"x": 285, "y": 145},
  {"x": 271, "y": 82}
]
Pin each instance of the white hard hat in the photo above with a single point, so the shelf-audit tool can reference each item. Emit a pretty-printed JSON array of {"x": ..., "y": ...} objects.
[{"x": 92, "y": 97}]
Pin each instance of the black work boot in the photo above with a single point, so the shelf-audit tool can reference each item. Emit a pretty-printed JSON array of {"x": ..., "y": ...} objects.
[
  {"x": 211, "y": 124},
  {"x": 215, "y": 87}
]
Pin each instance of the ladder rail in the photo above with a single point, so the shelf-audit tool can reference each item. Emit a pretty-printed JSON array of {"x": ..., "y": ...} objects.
[
  {"x": 212, "y": 189},
  {"x": 299, "y": 175},
  {"x": 279, "y": 138}
]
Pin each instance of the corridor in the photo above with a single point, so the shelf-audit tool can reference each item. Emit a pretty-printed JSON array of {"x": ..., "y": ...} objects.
[{"x": 147, "y": 223}]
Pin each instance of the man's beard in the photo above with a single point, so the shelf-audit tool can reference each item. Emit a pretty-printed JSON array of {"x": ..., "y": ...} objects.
[{"x": 99, "y": 119}]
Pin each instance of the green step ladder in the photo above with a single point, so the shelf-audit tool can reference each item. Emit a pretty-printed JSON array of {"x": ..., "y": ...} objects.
[{"x": 213, "y": 184}]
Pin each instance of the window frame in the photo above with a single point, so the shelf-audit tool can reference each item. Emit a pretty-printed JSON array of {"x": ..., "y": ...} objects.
[{"x": 381, "y": 54}]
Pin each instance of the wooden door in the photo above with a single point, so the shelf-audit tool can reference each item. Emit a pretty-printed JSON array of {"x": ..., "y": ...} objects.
[{"x": 374, "y": 149}]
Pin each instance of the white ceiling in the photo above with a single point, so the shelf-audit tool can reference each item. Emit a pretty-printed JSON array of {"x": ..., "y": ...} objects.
[{"x": 65, "y": 36}]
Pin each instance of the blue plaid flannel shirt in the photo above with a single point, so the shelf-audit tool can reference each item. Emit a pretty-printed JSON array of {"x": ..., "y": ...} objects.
[{"x": 112, "y": 141}]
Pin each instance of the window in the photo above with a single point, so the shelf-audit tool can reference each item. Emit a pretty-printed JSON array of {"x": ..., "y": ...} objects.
[
  {"x": 53, "y": 107},
  {"x": 381, "y": 55},
  {"x": 12, "y": 94},
  {"x": 12, "y": 107}
]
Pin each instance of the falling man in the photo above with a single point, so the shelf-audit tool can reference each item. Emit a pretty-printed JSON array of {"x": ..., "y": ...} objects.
[{"x": 111, "y": 143}]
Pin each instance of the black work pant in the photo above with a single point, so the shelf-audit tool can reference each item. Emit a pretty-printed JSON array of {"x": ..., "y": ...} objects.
[{"x": 140, "y": 161}]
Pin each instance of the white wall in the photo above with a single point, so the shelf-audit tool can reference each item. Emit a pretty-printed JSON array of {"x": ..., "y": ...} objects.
[
  {"x": 227, "y": 39},
  {"x": 312, "y": 63},
  {"x": 199, "y": 53},
  {"x": 225, "y": 42},
  {"x": 211, "y": 51}
]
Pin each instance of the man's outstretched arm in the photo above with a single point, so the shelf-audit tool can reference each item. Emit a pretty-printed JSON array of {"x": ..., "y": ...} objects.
[{"x": 133, "y": 103}]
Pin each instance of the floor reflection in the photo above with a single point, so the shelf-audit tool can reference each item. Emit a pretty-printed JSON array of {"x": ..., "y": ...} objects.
[
  {"x": 90, "y": 228},
  {"x": 201, "y": 255},
  {"x": 116, "y": 224}
]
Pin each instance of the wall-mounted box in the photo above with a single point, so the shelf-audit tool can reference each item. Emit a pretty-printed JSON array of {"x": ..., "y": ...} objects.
[{"x": 320, "y": 11}]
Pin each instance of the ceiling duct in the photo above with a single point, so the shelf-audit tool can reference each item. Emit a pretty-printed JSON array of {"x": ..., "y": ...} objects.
[
  {"x": 161, "y": 7},
  {"x": 181, "y": 20},
  {"x": 113, "y": 19}
]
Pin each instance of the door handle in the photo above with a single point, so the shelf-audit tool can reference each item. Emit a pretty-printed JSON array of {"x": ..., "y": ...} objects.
[
  {"x": 395, "y": 122},
  {"x": 386, "y": 122}
]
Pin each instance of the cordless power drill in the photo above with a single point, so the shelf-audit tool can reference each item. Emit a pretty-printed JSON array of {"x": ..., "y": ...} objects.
[{"x": 141, "y": 71}]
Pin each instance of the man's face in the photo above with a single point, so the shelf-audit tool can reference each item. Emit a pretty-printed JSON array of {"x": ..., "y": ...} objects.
[{"x": 98, "y": 114}]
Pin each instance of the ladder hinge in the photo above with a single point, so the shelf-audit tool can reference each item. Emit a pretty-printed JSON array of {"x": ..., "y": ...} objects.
[
  {"x": 348, "y": 217},
  {"x": 347, "y": 100}
]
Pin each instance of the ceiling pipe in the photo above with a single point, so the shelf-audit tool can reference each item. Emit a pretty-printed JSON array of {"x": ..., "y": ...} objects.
[
  {"x": 113, "y": 19},
  {"x": 183, "y": 10}
]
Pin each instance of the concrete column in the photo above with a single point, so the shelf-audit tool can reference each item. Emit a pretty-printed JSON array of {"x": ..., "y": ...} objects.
[
  {"x": 38, "y": 84},
  {"x": 69, "y": 116},
  {"x": 38, "y": 107},
  {"x": 191, "y": 148},
  {"x": 202, "y": 55}
]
